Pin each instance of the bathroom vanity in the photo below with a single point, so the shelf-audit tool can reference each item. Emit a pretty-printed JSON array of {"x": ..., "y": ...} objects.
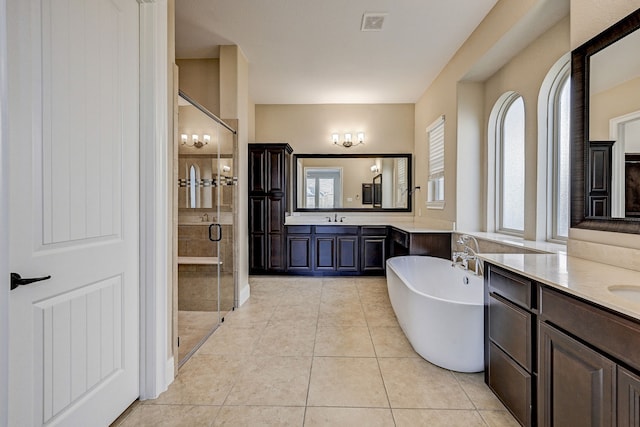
[
  {"x": 562, "y": 340},
  {"x": 348, "y": 249}
]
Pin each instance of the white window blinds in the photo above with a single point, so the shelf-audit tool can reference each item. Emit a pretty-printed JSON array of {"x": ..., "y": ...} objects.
[{"x": 435, "y": 138}]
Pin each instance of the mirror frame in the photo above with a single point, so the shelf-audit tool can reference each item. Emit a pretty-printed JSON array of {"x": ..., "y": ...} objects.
[
  {"x": 407, "y": 156},
  {"x": 580, "y": 129}
]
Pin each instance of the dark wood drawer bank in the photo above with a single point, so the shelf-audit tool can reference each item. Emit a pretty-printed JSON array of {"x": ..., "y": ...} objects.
[
  {"x": 355, "y": 250},
  {"x": 557, "y": 360}
]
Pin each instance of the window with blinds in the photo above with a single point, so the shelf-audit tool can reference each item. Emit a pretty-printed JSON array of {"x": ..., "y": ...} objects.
[{"x": 435, "y": 184}]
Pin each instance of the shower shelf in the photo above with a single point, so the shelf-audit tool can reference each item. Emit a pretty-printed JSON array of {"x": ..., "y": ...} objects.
[{"x": 201, "y": 260}]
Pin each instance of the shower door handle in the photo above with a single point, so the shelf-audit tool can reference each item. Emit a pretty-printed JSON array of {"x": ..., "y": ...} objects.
[{"x": 219, "y": 234}]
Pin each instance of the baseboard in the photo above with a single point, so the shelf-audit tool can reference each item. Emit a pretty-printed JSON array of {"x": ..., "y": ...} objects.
[{"x": 244, "y": 295}]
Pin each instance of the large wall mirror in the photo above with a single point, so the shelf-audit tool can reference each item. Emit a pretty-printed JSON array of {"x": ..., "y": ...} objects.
[
  {"x": 352, "y": 182},
  {"x": 605, "y": 122}
]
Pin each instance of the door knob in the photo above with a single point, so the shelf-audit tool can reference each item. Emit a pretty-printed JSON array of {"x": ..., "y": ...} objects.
[{"x": 17, "y": 280}]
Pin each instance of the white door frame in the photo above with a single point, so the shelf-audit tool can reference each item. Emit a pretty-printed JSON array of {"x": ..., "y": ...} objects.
[
  {"x": 4, "y": 221},
  {"x": 156, "y": 360}
]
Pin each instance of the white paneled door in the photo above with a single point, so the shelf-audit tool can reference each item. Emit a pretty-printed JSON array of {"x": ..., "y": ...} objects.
[{"x": 73, "y": 141}]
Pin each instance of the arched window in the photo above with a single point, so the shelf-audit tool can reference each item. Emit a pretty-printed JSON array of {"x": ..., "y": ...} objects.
[
  {"x": 553, "y": 152},
  {"x": 510, "y": 164},
  {"x": 559, "y": 175}
]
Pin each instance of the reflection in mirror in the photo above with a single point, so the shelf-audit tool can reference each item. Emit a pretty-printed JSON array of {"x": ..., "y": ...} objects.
[
  {"x": 352, "y": 182},
  {"x": 205, "y": 159},
  {"x": 605, "y": 109},
  {"x": 614, "y": 115}
]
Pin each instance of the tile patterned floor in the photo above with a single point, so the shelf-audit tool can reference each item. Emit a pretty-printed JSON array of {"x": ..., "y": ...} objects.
[{"x": 317, "y": 352}]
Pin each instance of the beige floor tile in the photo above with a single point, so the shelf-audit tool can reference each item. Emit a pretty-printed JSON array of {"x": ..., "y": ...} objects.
[
  {"x": 353, "y": 382},
  {"x": 231, "y": 340},
  {"x": 286, "y": 340},
  {"x": 302, "y": 295},
  {"x": 391, "y": 342},
  {"x": 499, "y": 419},
  {"x": 251, "y": 313},
  {"x": 415, "y": 383},
  {"x": 171, "y": 415},
  {"x": 347, "y": 341},
  {"x": 298, "y": 314},
  {"x": 379, "y": 315},
  {"x": 272, "y": 381},
  {"x": 203, "y": 380},
  {"x": 479, "y": 393},
  {"x": 437, "y": 418},
  {"x": 350, "y": 314},
  {"x": 348, "y": 417},
  {"x": 339, "y": 291},
  {"x": 251, "y": 416}
]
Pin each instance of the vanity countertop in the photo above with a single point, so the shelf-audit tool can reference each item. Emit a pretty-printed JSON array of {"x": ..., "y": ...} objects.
[
  {"x": 585, "y": 279},
  {"x": 408, "y": 226}
]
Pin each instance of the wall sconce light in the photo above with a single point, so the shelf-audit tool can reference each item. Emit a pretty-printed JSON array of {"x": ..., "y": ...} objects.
[
  {"x": 195, "y": 140},
  {"x": 374, "y": 169},
  {"x": 348, "y": 139}
]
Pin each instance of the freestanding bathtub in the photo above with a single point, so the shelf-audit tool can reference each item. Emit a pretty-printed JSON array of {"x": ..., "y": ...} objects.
[{"x": 440, "y": 310}]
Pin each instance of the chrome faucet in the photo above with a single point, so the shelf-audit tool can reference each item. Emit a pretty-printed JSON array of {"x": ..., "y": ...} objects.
[
  {"x": 468, "y": 254},
  {"x": 205, "y": 217}
]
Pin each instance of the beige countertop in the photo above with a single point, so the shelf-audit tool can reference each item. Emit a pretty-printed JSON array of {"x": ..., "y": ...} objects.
[{"x": 586, "y": 279}]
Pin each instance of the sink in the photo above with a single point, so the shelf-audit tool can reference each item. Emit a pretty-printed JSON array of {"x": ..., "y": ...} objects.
[{"x": 628, "y": 292}]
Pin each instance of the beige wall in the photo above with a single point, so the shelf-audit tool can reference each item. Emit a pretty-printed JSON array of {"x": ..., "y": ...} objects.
[
  {"x": 200, "y": 79},
  {"x": 388, "y": 128},
  {"x": 590, "y": 17},
  {"x": 524, "y": 74},
  {"x": 441, "y": 99},
  {"x": 615, "y": 102}
]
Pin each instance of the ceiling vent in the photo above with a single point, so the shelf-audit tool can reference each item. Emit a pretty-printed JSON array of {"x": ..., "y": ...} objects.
[{"x": 372, "y": 21}]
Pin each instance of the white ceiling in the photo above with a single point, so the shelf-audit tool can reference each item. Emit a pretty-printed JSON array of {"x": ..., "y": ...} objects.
[{"x": 313, "y": 52}]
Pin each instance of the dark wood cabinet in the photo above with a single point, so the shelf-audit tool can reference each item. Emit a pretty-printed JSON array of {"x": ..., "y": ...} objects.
[
  {"x": 268, "y": 180},
  {"x": 599, "y": 186},
  {"x": 577, "y": 384},
  {"x": 373, "y": 245},
  {"x": 557, "y": 360},
  {"x": 510, "y": 321},
  {"x": 336, "y": 248},
  {"x": 628, "y": 398}
]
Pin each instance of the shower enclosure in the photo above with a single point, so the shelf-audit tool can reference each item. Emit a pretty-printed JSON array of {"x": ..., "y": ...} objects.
[{"x": 207, "y": 200}]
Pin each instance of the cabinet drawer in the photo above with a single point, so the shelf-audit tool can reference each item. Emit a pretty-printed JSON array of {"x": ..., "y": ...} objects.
[
  {"x": 374, "y": 231},
  {"x": 511, "y": 384},
  {"x": 611, "y": 333},
  {"x": 510, "y": 328},
  {"x": 336, "y": 229},
  {"x": 299, "y": 229},
  {"x": 511, "y": 286}
]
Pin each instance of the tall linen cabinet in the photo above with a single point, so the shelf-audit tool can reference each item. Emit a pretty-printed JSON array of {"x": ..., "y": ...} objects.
[{"x": 269, "y": 169}]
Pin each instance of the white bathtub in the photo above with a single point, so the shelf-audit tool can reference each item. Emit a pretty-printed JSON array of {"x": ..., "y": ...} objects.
[{"x": 440, "y": 310}]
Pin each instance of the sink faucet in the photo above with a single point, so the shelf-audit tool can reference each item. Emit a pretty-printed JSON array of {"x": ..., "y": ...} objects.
[
  {"x": 328, "y": 218},
  {"x": 335, "y": 217},
  {"x": 205, "y": 217}
]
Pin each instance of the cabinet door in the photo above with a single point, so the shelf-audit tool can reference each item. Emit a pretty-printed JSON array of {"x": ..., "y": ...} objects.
[
  {"x": 374, "y": 253},
  {"x": 257, "y": 217},
  {"x": 628, "y": 399},
  {"x": 275, "y": 170},
  {"x": 276, "y": 210},
  {"x": 257, "y": 171},
  {"x": 576, "y": 385},
  {"x": 257, "y": 253},
  {"x": 299, "y": 253},
  {"x": 276, "y": 251},
  {"x": 325, "y": 253},
  {"x": 347, "y": 253}
]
